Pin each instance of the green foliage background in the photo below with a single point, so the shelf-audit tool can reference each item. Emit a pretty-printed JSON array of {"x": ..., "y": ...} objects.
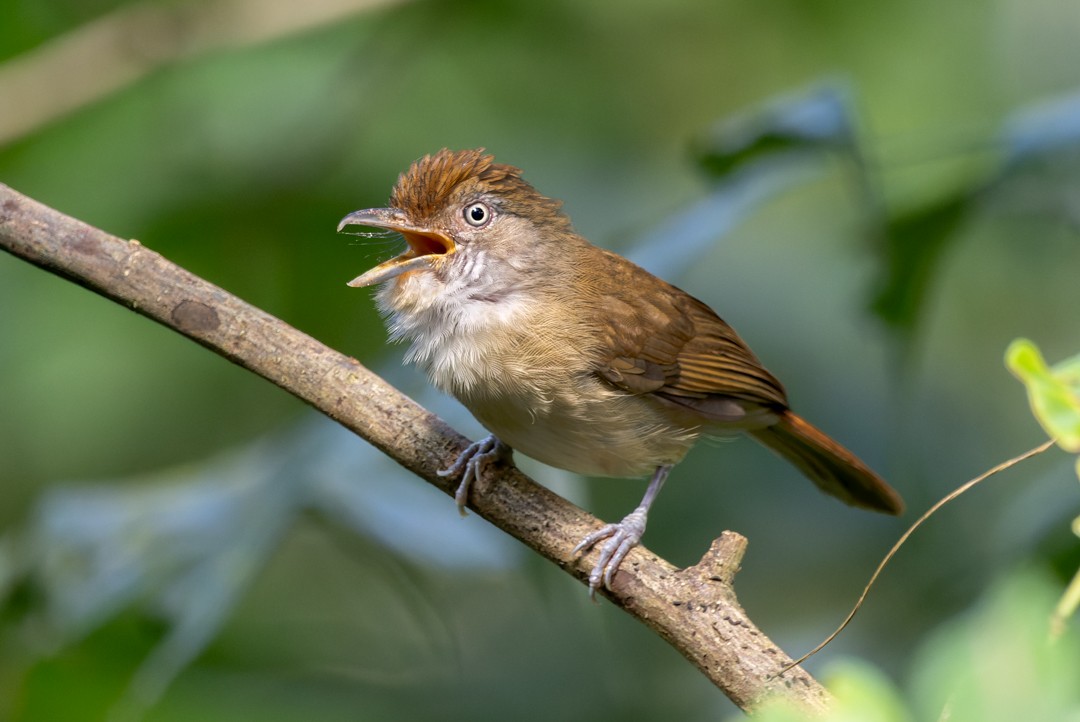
[{"x": 878, "y": 253}]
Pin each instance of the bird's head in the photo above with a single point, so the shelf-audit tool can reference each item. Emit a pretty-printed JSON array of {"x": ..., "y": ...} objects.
[{"x": 472, "y": 226}]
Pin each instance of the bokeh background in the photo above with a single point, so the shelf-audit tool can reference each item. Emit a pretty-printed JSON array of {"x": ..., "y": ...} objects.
[{"x": 879, "y": 197}]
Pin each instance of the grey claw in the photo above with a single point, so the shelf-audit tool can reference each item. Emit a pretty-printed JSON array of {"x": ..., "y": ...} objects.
[
  {"x": 470, "y": 464},
  {"x": 621, "y": 538}
]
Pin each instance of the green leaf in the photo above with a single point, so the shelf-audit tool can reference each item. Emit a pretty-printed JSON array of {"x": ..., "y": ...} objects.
[
  {"x": 997, "y": 663},
  {"x": 914, "y": 245},
  {"x": 1067, "y": 605},
  {"x": 817, "y": 119},
  {"x": 863, "y": 694},
  {"x": 1054, "y": 394}
]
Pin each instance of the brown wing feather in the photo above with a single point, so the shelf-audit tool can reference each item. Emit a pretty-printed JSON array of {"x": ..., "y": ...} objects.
[{"x": 674, "y": 346}]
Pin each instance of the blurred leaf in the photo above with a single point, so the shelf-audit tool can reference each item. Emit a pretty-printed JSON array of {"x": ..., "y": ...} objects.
[
  {"x": 1041, "y": 144},
  {"x": 753, "y": 157},
  {"x": 916, "y": 241},
  {"x": 814, "y": 120},
  {"x": 1043, "y": 131},
  {"x": 1070, "y": 599},
  {"x": 682, "y": 239},
  {"x": 997, "y": 662},
  {"x": 914, "y": 245},
  {"x": 1054, "y": 393},
  {"x": 1069, "y": 602},
  {"x": 1068, "y": 371},
  {"x": 187, "y": 546},
  {"x": 994, "y": 665},
  {"x": 188, "y": 543},
  {"x": 861, "y": 693}
]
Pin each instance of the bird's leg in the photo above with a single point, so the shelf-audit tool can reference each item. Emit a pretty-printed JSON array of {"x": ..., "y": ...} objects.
[
  {"x": 621, "y": 537},
  {"x": 471, "y": 462}
]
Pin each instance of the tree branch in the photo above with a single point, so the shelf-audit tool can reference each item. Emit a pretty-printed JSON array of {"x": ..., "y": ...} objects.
[
  {"x": 103, "y": 56},
  {"x": 694, "y": 609}
]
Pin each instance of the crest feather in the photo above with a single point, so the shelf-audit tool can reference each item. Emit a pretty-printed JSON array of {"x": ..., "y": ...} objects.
[{"x": 431, "y": 182}]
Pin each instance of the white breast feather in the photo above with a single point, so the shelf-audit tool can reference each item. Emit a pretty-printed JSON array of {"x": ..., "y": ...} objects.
[
  {"x": 448, "y": 332},
  {"x": 530, "y": 393}
]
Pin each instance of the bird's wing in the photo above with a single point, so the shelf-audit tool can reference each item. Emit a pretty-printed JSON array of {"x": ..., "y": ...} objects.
[{"x": 674, "y": 346}]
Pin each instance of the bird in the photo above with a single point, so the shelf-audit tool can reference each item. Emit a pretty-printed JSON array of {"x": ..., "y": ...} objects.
[{"x": 570, "y": 353}]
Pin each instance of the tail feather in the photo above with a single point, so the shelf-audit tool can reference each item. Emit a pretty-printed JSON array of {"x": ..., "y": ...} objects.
[{"x": 833, "y": 468}]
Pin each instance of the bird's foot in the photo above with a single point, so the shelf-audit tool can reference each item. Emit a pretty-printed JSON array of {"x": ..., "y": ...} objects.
[
  {"x": 621, "y": 538},
  {"x": 471, "y": 462}
]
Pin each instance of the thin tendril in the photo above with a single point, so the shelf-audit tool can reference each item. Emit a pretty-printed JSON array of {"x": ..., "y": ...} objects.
[{"x": 900, "y": 542}]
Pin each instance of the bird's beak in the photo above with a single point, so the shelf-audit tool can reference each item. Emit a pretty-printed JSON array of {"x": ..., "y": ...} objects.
[{"x": 425, "y": 245}]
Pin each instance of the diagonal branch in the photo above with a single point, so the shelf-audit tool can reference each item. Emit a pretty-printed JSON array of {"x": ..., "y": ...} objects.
[
  {"x": 694, "y": 609},
  {"x": 124, "y": 46}
]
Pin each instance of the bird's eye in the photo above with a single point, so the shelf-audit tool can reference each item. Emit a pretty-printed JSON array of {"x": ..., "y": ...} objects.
[{"x": 477, "y": 215}]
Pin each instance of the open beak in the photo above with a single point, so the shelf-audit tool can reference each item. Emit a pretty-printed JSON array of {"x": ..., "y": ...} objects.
[{"x": 425, "y": 245}]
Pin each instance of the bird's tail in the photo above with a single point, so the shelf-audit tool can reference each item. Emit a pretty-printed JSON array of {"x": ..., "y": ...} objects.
[{"x": 833, "y": 468}]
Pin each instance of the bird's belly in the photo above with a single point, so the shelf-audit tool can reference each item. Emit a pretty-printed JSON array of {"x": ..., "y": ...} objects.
[
  {"x": 537, "y": 394},
  {"x": 599, "y": 434}
]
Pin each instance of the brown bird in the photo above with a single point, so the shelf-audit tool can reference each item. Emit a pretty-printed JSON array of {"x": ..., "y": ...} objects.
[{"x": 570, "y": 353}]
